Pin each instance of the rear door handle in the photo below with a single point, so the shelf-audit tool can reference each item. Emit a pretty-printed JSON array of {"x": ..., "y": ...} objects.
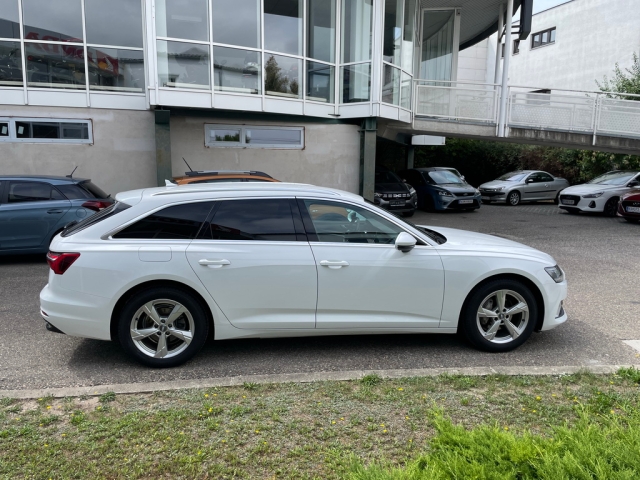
[
  {"x": 54, "y": 211},
  {"x": 214, "y": 263},
  {"x": 334, "y": 263}
]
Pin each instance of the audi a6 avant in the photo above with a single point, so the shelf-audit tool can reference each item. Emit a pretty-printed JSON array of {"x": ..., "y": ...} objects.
[{"x": 163, "y": 267}]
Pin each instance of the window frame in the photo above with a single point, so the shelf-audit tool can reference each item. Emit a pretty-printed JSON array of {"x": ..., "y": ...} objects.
[
  {"x": 539, "y": 34},
  {"x": 208, "y": 127},
  {"x": 13, "y": 136}
]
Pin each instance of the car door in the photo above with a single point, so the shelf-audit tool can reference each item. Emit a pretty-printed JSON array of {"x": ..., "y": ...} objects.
[
  {"x": 363, "y": 280},
  {"x": 533, "y": 188},
  {"x": 254, "y": 259},
  {"x": 549, "y": 186},
  {"x": 30, "y": 214}
]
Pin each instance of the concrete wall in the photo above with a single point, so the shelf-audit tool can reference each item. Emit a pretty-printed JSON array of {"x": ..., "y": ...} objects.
[
  {"x": 122, "y": 156},
  {"x": 331, "y": 156}
]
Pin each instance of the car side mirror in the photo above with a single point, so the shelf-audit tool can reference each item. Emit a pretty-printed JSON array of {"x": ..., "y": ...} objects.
[
  {"x": 462, "y": 177},
  {"x": 405, "y": 242},
  {"x": 529, "y": 180},
  {"x": 634, "y": 184}
]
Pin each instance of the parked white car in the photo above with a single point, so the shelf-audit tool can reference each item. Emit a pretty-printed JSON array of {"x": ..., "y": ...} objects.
[
  {"x": 163, "y": 266},
  {"x": 601, "y": 194}
]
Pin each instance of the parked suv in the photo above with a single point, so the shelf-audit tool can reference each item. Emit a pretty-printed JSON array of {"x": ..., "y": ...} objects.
[
  {"x": 393, "y": 194},
  {"x": 33, "y": 209}
]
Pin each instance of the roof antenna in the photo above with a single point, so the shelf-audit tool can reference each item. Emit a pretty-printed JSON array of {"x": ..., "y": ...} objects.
[
  {"x": 74, "y": 171},
  {"x": 190, "y": 169}
]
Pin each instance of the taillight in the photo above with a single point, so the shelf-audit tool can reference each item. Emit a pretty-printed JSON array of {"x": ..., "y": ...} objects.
[
  {"x": 60, "y": 262},
  {"x": 96, "y": 205}
]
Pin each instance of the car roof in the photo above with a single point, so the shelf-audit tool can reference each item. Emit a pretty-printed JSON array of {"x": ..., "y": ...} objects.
[
  {"x": 55, "y": 180},
  {"x": 434, "y": 169}
]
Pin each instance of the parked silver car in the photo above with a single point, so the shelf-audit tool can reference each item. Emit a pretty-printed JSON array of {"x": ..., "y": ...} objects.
[{"x": 523, "y": 186}]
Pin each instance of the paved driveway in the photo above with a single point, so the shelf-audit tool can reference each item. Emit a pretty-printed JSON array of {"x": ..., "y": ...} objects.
[{"x": 599, "y": 255}]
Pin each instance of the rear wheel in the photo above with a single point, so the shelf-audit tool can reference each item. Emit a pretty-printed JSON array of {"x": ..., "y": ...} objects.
[
  {"x": 499, "y": 316},
  {"x": 163, "y": 327},
  {"x": 513, "y": 199},
  {"x": 611, "y": 207}
]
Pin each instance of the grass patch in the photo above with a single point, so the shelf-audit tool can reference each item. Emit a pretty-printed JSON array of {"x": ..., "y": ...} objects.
[{"x": 572, "y": 426}]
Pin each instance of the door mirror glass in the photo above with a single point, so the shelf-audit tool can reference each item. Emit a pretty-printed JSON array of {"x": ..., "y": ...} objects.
[
  {"x": 405, "y": 242},
  {"x": 634, "y": 184},
  {"x": 531, "y": 180}
]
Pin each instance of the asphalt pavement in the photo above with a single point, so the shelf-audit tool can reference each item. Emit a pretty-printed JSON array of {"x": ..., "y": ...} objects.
[{"x": 598, "y": 254}]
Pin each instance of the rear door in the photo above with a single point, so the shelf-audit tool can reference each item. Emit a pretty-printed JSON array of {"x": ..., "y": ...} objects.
[
  {"x": 30, "y": 214},
  {"x": 254, "y": 259}
]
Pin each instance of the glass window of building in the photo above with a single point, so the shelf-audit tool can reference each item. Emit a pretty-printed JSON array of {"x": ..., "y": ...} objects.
[
  {"x": 356, "y": 30},
  {"x": 236, "y": 70},
  {"x": 239, "y": 25},
  {"x": 283, "y": 26},
  {"x": 55, "y": 66},
  {"x": 53, "y": 20},
  {"x": 408, "y": 35},
  {"x": 437, "y": 45},
  {"x": 184, "y": 19},
  {"x": 320, "y": 82},
  {"x": 321, "y": 30},
  {"x": 391, "y": 85},
  {"x": 282, "y": 76},
  {"x": 392, "y": 44},
  {"x": 10, "y": 64},
  {"x": 183, "y": 65},
  {"x": 116, "y": 22},
  {"x": 254, "y": 136},
  {"x": 274, "y": 137},
  {"x": 116, "y": 69},
  {"x": 4, "y": 129},
  {"x": 9, "y": 19},
  {"x": 399, "y": 18},
  {"x": 356, "y": 83},
  {"x": 405, "y": 90},
  {"x": 225, "y": 135}
]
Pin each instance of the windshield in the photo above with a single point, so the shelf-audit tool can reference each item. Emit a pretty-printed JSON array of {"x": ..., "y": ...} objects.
[
  {"x": 432, "y": 234},
  {"x": 387, "y": 177},
  {"x": 513, "y": 176},
  {"x": 444, "y": 177},
  {"x": 614, "y": 178}
]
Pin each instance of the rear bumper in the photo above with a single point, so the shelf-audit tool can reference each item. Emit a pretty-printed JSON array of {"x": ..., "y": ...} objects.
[{"x": 77, "y": 314}]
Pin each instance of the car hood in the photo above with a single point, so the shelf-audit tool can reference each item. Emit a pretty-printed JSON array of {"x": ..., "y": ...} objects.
[
  {"x": 456, "y": 188},
  {"x": 391, "y": 188},
  {"x": 480, "y": 242},
  {"x": 633, "y": 195},
  {"x": 587, "y": 188},
  {"x": 498, "y": 184}
]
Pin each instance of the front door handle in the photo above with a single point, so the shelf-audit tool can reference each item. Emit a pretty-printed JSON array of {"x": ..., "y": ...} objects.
[
  {"x": 214, "y": 263},
  {"x": 54, "y": 211},
  {"x": 334, "y": 263}
]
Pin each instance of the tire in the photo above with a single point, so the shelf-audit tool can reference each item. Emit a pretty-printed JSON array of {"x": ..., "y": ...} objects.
[
  {"x": 192, "y": 322},
  {"x": 611, "y": 207},
  {"x": 572, "y": 211},
  {"x": 557, "y": 199},
  {"x": 513, "y": 198},
  {"x": 632, "y": 220},
  {"x": 408, "y": 214},
  {"x": 476, "y": 327}
]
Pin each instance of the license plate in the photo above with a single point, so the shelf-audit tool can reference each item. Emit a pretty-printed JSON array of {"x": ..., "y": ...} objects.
[
  {"x": 568, "y": 202},
  {"x": 633, "y": 209},
  {"x": 486, "y": 199},
  {"x": 465, "y": 201},
  {"x": 397, "y": 203}
]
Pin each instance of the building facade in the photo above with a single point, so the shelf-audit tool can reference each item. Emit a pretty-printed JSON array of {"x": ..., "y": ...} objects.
[{"x": 126, "y": 89}]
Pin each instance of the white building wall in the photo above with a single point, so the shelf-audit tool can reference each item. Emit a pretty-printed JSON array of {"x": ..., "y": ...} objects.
[{"x": 476, "y": 64}]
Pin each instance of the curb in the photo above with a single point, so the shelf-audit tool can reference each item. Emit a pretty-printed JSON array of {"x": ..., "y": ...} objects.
[{"x": 130, "y": 388}]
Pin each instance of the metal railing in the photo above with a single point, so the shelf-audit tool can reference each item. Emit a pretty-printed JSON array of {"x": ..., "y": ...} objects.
[{"x": 596, "y": 113}]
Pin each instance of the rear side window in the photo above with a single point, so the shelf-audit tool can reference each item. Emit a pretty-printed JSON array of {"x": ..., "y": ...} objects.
[
  {"x": 74, "y": 192},
  {"x": 97, "y": 217},
  {"x": 179, "y": 222},
  {"x": 259, "y": 219},
  {"x": 20, "y": 192},
  {"x": 93, "y": 189}
]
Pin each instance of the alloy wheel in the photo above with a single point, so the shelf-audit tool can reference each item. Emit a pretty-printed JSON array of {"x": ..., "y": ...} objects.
[
  {"x": 514, "y": 198},
  {"x": 502, "y": 316},
  {"x": 611, "y": 207},
  {"x": 162, "y": 328}
]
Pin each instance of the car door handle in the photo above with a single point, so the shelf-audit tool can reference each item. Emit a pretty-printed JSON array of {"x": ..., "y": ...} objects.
[
  {"x": 214, "y": 263},
  {"x": 334, "y": 264},
  {"x": 55, "y": 210}
]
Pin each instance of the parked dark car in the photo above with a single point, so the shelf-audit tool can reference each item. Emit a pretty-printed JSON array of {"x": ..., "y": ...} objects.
[
  {"x": 393, "y": 194},
  {"x": 629, "y": 206},
  {"x": 34, "y": 209},
  {"x": 439, "y": 188}
]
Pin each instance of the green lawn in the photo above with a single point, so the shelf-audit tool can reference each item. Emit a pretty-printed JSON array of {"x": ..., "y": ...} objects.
[{"x": 579, "y": 426}]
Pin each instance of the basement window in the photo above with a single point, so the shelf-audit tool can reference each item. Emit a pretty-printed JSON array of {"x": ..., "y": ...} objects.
[
  {"x": 249, "y": 136},
  {"x": 45, "y": 130}
]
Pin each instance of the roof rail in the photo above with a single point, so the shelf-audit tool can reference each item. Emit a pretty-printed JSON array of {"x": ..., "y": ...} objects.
[{"x": 200, "y": 173}]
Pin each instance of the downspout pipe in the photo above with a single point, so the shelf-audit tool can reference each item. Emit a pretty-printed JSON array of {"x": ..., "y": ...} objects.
[
  {"x": 496, "y": 79},
  {"x": 504, "y": 90}
]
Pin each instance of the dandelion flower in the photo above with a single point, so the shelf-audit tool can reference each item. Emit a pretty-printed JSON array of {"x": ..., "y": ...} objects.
[
  {"x": 400, "y": 389},
  {"x": 48, "y": 407},
  {"x": 506, "y": 428},
  {"x": 384, "y": 431},
  {"x": 538, "y": 398},
  {"x": 613, "y": 411},
  {"x": 333, "y": 422},
  {"x": 406, "y": 418},
  {"x": 206, "y": 395}
]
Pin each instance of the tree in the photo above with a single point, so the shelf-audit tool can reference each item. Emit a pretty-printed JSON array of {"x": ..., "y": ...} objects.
[
  {"x": 627, "y": 81},
  {"x": 275, "y": 81}
]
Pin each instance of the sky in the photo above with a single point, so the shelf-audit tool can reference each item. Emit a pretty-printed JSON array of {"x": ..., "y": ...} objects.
[{"x": 539, "y": 5}]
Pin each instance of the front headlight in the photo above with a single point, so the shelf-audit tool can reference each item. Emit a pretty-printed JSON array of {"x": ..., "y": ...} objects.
[
  {"x": 444, "y": 193},
  {"x": 412, "y": 191},
  {"x": 477, "y": 192},
  {"x": 593, "y": 195},
  {"x": 377, "y": 195},
  {"x": 556, "y": 273}
]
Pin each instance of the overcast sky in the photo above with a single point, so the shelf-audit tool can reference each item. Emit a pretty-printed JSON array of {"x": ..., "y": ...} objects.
[{"x": 539, "y": 5}]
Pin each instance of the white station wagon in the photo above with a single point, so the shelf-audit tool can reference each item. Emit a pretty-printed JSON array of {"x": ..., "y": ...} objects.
[{"x": 162, "y": 267}]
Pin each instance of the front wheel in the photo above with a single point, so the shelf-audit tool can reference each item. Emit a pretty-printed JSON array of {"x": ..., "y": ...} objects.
[
  {"x": 513, "y": 199},
  {"x": 632, "y": 220},
  {"x": 557, "y": 199},
  {"x": 499, "y": 316},
  {"x": 163, "y": 327},
  {"x": 611, "y": 207}
]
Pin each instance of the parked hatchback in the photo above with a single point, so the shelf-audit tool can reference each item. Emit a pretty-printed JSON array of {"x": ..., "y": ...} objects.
[
  {"x": 629, "y": 206},
  {"x": 442, "y": 188},
  {"x": 33, "y": 209},
  {"x": 520, "y": 186},
  {"x": 163, "y": 267}
]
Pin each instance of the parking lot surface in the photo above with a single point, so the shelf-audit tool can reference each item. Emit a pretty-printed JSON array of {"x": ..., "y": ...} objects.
[{"x": 598, "y": 254}]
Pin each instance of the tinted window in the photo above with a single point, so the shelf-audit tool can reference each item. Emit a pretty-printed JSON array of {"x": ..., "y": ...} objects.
[
  {"x": 513, "y": 176},
  {"x": 31, "y": 192},
  {"x": 260, "y": 219},
  {"x": 181, "y": 222},
  {"x": 97, "y": 217},
  {"x": 73, "y": 192},
  {"x": 116, "y": 22},
  {"x": 545, "y": 177},
  {"x": 339, "y": 222},
  {"x": 94, "y": 190}
]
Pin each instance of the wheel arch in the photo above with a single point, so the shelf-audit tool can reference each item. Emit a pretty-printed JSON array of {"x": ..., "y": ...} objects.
[
  {"x": 129, "y": 294},
  {"x": 535, "y": 290}
]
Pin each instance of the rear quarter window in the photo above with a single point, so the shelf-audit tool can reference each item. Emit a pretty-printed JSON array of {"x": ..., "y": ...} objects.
[
  {"x": 97, "y": 217},
  {"x": 178, "y": 222}
]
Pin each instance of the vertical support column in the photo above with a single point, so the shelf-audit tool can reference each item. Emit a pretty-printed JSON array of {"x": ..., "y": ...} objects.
[
  {"x": 368, "y": 157},
  {"x": 504, "y": 91},
  {"x": 496, "y": 78},
  {"x": 411, "y": 153},
  {"x": 163, "y": 146}
]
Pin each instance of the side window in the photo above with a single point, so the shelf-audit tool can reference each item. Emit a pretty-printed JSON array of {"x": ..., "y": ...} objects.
[
  {"x": 545, "y": 177},
  {"x": 253, "y": 220},
  {"x": 342, "y": 223},
  {"x": 179, "y": 222},
  {"x": 534, "y": 178},
  {"x": 74, "y": 192},
  {"x": 20, "y": 192}
]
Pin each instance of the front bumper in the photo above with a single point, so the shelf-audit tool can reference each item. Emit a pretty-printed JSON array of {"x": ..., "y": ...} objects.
[
  {"x": 623, "y": 209},
  {"x": 401, "y": 205},
  {"x": 457, "y": 203},
  {"x": 582, "y": 204},
  {"x": 555, "y": 313}
]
